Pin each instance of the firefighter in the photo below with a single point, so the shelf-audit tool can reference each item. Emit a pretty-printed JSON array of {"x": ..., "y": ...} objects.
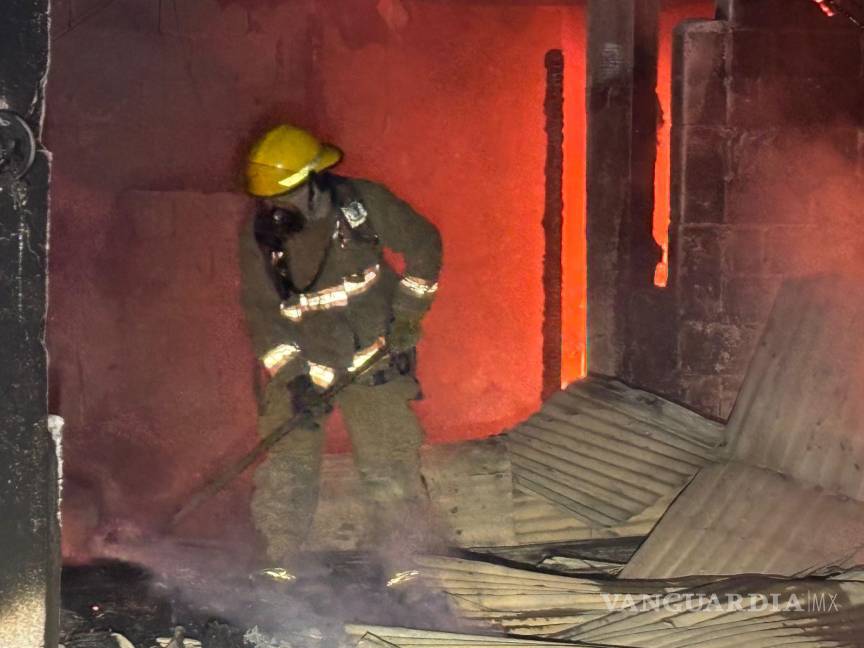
[{"x": 319, "y": 301}]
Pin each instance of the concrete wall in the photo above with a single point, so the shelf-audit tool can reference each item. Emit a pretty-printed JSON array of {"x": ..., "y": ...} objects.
[{"x": 766, "y": 184}]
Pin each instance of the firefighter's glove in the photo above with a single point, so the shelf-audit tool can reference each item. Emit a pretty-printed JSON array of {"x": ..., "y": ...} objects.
[
  {"x": 405, "y": 333},
  {"x": 306, "y": 398}
]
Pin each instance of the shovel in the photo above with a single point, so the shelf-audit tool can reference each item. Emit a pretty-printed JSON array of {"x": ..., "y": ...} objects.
[{"x": 215, "y": 485}]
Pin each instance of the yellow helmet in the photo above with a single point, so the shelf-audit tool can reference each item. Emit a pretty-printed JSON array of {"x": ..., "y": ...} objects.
[{"x": 283, "y": 159}]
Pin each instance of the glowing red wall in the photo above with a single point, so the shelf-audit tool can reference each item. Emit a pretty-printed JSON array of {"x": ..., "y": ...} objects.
[
  {"x": 442, "y": 101},
  {"x": 452, "y": 118}
]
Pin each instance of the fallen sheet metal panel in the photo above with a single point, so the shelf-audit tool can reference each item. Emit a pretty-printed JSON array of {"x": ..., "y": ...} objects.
[
  {"x": 736, "y": 519},
  {"x": 790, "y": 502},
  {"x": 744, "y": 612},
  {"x": 365, "y": 636},
  {"x": 800, "y": 410},
  {"x": 538, "y": 521},
  {"x": 470, "y": 487},
  {"x": 738, "y": 612},
  {"x": 526, "y": 602},
  {"x": 606, "y": 453}
]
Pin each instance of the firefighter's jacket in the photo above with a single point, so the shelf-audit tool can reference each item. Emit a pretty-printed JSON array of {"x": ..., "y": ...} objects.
[{"x": 355, "y": 295}]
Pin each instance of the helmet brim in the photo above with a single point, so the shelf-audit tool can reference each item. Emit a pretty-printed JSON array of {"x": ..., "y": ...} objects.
[{"x": 265, "y": 181}]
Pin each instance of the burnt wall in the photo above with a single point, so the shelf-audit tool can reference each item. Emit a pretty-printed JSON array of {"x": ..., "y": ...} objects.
[
  {"x": 767, "y": 117},
  {"x": 441, "y": 101},
  {"x": 29, "y": 543}
]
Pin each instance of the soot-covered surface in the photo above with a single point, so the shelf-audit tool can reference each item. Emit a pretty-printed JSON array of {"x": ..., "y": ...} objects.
[{"x": 220, "y": 606}]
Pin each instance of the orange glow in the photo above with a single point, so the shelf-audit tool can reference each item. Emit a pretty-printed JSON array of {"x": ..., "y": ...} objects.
[
  {"x": 574, "y": 280},
  {"x": 663, "y": 167}
]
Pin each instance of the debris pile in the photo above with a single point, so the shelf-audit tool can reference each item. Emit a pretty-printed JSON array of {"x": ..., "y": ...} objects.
[
  {"x": 615, "y": 518},
  {"x": 640, "y": 524}
]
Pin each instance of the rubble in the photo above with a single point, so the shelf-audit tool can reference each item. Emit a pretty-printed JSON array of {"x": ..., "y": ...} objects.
[
  {"x": 760, "y": 540},
  {"x": 177, "y": 640},
  {"x": 705, "y": 611},
  {"x": 790, "y": 500},
  {"x": 258, "y": 639},
  {"x": 381, "y": 637},
  {"x": 607, "y": 453},
  {"x": 470, "y": 487},
  {"x": 759, "y": 544},
  {"x": 526, "y": 602},
  {"x": 736, "y": 518},
  {"x": 599, "y": 460}
]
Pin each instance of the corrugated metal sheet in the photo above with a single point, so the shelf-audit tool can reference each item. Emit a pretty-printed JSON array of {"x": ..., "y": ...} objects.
[
  {"x": 606, "y": 453},
  {"x": 599, "y": 460},
  {"x": 736, "y": 519},
  {"x": 801, "y": 411},
  {"x": 539, "y": 521},
  {"x": 739, "y": 612},
  {"x": 809, "y": 614},
  {"x": 469, "y": 485},
  {"x": 800, "y": 419},
  {"x": 527, "y": 602},
  {"x": 368, "y": 636}
]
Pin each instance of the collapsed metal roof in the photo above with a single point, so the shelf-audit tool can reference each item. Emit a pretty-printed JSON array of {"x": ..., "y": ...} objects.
[
  {"x": 742, "y": 611},
  {"x": 570, "y": 501},
  {"x": 791, "y": 499},
  {"x": 738, "y": 519},
  {"x": 606, "y": 453},
  {"x": 777, "y": 515},
  {"x": 800, "y": 410},
  {"x": 599, "y": 460}
]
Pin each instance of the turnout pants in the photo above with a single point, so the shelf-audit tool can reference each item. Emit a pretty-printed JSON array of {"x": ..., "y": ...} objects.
[{"x": 385, "y": 438}]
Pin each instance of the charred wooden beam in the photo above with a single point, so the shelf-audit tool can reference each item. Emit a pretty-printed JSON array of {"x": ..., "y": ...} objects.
[
  {"x": 622, "y": 148},
  {"x": 553, "y": 222}
]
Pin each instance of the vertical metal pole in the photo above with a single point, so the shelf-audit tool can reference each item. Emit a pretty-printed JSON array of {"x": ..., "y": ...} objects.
[{"x": 553, "y": 222}]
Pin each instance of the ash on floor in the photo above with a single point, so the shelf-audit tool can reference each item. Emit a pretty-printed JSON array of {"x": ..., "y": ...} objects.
[{"x": 221, "y": 609}]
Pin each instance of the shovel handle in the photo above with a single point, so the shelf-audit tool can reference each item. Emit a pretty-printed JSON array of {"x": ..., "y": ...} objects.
[{"x": 215, "y": 485}]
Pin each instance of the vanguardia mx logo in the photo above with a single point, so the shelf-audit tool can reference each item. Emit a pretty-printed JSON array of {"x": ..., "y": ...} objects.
[{"x": 809, "y": 602}]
